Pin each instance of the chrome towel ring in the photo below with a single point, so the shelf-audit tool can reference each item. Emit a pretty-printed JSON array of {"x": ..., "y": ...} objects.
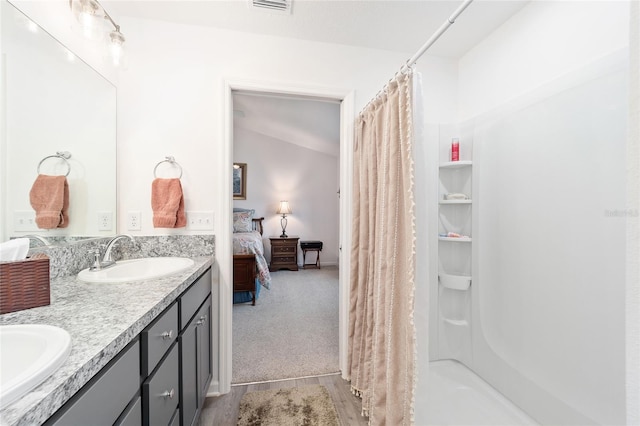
[
  {"x": 171, "y": 161},
  {"x": 63, "y": 155}
]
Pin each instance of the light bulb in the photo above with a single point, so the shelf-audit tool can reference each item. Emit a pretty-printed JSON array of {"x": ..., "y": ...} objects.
[
  {"x": 116, "y": 46},
  {"x": 90, "y": 16}
]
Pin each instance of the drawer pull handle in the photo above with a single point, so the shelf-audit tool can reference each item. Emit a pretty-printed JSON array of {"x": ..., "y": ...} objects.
[
  {"x": 201, "y": 320},
  {"x": 168, "y": 394},
  {"x": 167, "y": 334}
]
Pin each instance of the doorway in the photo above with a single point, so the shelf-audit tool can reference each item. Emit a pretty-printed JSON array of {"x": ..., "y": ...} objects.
[{"x": 223, "y": 219}]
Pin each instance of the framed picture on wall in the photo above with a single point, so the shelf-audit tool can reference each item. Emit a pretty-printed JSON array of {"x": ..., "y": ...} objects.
[{"x": 239, "y": 181}]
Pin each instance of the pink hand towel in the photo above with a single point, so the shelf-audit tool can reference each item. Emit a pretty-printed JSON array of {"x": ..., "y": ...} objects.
[
  {"x": 49, "y": 197},
  {"x": 167, "y": 202}
]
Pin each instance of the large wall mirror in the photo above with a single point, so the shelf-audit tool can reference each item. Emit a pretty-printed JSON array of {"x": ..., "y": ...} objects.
[{"x": 52, "y": 102}]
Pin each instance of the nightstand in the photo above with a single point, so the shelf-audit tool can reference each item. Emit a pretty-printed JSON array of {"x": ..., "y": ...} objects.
[{"x": 284, "y": 253}]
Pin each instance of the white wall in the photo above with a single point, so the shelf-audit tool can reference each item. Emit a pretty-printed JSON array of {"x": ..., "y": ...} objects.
[
  {"x": 542, "y": 42},
  {"x": 170, "y": 99},
  {"x": 549, "y": 268},
  {"x": 308, "y": 179}
]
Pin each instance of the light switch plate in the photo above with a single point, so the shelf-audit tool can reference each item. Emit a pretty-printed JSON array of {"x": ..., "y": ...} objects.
[
  {"x": 25, "y": 220},
  {"x": 200, "y": 221}
]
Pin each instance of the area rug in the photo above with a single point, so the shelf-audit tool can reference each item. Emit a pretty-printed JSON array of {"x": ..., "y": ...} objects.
[{"x": 306, "y": 405}]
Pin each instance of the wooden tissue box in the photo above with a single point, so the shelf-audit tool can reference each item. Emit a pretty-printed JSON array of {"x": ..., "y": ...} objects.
[{"x": 24, "y": 284}]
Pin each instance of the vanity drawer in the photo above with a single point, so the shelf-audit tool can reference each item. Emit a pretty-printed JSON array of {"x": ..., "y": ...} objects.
[
  {"x": 193, "y": 298},
  {"x": 103, "y": 400},
  {"x": 133, "y": 416},
  {"x": 161, "y": 392},
  {"x": 157, "y": 338}
]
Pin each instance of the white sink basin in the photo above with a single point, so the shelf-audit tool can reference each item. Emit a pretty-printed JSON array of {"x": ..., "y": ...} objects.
[
  {"x": 137, "y": 270},
  {"x": 30, "y": 353}
]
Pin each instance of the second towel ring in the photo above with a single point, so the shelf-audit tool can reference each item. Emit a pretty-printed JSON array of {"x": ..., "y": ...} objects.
[
  {"x": 169, "y": 160},
  {"x": 63, "y": 155}
]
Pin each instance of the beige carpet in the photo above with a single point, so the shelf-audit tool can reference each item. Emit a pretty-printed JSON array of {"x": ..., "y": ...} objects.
[
  {"x": 306, "y": 405},
  {"x": 291, "y": 332}
]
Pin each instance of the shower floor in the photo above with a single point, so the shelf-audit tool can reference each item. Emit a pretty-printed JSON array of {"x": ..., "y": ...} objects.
[{"x": 457, "y": 396}]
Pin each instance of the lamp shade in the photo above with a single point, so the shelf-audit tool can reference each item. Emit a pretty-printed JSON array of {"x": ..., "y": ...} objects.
[{"x": 284, "y": 208}]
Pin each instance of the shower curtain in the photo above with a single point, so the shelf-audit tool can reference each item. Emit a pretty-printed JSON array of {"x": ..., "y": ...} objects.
[{"x": 381, "y": 354}]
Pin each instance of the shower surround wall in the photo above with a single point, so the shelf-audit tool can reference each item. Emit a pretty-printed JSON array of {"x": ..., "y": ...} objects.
[{"x": 547, "y": 109}]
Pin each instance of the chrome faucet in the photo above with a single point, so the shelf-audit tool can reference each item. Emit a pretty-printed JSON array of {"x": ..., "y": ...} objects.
[{"x": 107, "y": 259}]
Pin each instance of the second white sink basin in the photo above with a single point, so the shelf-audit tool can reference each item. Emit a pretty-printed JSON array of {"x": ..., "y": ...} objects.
[
  {"x": 137, "y": 269},
  {"x": 30, "y": 353}
]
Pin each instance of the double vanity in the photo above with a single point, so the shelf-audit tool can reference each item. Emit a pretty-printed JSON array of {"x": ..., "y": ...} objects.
[{"x": 142, "y": 351}]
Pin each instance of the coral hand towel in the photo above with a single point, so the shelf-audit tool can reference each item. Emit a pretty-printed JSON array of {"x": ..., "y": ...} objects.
[
  {"x": 49, "y": 197},
  {"x": 167, "y": 202}
]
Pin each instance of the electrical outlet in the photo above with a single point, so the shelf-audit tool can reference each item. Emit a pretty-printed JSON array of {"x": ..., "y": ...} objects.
[
  {"x": 133, "y": 221},
  {"x": 200, "y": 221},
  {"x": 24, "y": 221},
  {"x": 105, "y": 221}
]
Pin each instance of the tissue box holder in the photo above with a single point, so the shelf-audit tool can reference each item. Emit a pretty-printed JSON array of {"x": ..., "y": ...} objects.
[{"x": 24, "y": 284}]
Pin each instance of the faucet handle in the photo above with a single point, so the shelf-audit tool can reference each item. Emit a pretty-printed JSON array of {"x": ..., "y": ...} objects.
[{"x": 96, "y": 265}]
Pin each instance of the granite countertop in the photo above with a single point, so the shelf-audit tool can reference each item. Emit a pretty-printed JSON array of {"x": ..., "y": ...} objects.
[{"x": 101, "y": 319}]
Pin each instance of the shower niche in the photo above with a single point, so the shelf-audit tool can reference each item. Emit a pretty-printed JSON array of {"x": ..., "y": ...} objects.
[{"x": 455, "y": 200}]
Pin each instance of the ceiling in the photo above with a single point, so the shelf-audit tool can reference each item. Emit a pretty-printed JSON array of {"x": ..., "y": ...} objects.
[
  {"x": 313, "y": 124},
  {"x": 396, "y": 25}
]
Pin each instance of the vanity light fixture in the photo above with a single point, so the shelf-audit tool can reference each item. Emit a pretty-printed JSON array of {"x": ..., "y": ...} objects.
[
  {"x": 284, "y": 209},
  {"x": 91, "y": 16}
]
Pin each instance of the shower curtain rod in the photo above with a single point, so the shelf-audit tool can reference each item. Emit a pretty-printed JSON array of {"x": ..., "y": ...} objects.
[
  {"x": 411, "y": 61},
  {"x": 438, "y": 33}
]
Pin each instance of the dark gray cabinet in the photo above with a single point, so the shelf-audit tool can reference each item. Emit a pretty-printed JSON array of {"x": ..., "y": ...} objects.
[
  {"x": 159, "y": 379},
  {"x": 205, "y": 356},
  {"x": 107, "y": 395},
  {"x": 195, "y": 362}
]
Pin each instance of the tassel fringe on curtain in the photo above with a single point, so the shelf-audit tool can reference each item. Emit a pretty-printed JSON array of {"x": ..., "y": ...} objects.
[{"x": 381, "y": 355}]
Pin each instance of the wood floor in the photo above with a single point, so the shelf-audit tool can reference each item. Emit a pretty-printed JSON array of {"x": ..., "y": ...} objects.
[{"x": 223, "y": 410}]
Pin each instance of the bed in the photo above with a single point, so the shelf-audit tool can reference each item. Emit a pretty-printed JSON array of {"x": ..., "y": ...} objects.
[{"x": 250, "y": 268}]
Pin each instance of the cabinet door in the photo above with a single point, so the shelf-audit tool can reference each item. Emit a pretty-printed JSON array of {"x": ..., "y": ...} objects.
[
  {"x": 188, "y": 374},
  {"x": 204, "y": 350},
  {"x": 195, "y": 361}
]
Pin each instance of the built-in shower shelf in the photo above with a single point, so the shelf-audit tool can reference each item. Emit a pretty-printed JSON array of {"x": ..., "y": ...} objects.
[
  {"x": 455, "y": 322},
  {"x": 455, "y": 282},
  {"x": 455, "y": 164},
  {"x": 456, "y": 239},
  {"x": 455, "y": 201}
]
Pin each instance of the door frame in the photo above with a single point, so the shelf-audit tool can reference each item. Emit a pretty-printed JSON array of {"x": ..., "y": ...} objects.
[{"x": 223, "y": 220}]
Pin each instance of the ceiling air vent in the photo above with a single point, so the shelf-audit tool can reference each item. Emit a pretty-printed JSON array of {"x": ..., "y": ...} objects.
[{"x": 274, "y": 5}]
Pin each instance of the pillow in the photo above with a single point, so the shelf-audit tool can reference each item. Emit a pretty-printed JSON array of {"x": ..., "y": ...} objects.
[{"x": 242, "y": 221}]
